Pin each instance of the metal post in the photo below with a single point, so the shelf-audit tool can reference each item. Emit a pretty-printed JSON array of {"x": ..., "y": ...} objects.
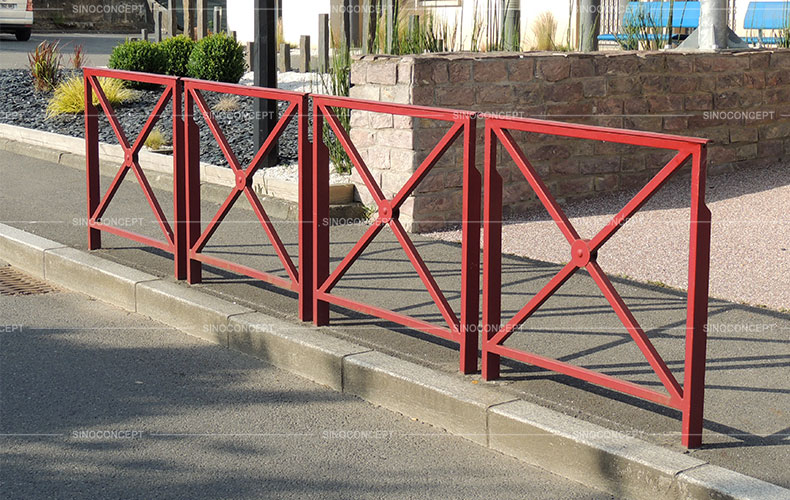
[
  {"x": 265, "y": 61},
  {"x": 92, "y": 163},
  {"x": 345, "y": 23},
  {"x": 305, "y": 153},
  {"x": 202, "y": 19},
  {"x": 492, "y": 256},
  {"x": 590, "y": 21},
  {"x": 697, "y": 309},
  {"x": 323, "y": 43},
  {"x": 192, "y": 187},
  {"x": 320, "y": 217},
  {"x": 713, "y": 29},
  {"x": 158, "y": 26},
  {"x": 144, "y": 34},
  {"x": 172, "y": 18},
  {"x": 217, "y": 21},
  {"x": 470, "y": 265},
  {"x": 304, "y": 49},
  {"x": 180, "y": 241},
  {"x": 414, "y": 23},
  {"x": 513, "y": 25}
]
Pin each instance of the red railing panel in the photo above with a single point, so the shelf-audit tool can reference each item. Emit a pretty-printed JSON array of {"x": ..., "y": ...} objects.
[
  {"x": 463, "y": 331},
  {"x": 97, "y": 205},
  {"x": 299, "y": 278},
  {"x": 689, "y": 397}
]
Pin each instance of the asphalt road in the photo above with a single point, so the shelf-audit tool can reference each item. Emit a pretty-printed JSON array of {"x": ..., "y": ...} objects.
[
  {"x": 13, "y": 54},
  {"x": 96, "y": 402}
]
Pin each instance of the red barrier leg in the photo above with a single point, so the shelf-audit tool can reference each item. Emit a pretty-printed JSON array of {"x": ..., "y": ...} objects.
[
  {"x": 192, "y": 203},
  {"x": 306, "y": 284},
  {"x": 179, "y": 185},
  {"x": 697, "y": 312},
  {"x": 470, "y": 266},
  {"x": 492, "y": 256},
  {"x": 92, "y": 164},
  {"x": 320, "y": 217}
]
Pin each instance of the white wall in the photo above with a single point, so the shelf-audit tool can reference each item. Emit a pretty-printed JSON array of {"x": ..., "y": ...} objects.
[{"x": 300, "y": 17}]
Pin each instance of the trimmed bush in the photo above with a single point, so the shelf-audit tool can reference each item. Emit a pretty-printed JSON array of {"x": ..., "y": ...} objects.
[
  {"x": 138, "y": 55},
  {"x": 176, "y": 51},
  {"x": 69, "y": 96},
  {"x": 219, "y": 58}
]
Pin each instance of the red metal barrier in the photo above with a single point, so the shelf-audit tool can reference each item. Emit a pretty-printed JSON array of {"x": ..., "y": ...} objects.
[
  {"x": 299, "y": 280},
  {"x": 464, "y": 331},
  {"x": 97, "y": 205},
  {"x": 689, "y": 397}
]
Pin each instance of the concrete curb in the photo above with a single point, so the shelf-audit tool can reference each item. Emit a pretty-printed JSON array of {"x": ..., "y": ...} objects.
[
  {"x": 585, "y": 452},
  {"x": 70, "y": 151}
]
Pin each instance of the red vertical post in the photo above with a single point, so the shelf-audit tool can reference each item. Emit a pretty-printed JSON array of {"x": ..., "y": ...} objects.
[
  {"x": 306, "y": 288},
  {"x": 492, "y": 254},
  {"x": 92, "y": 163},
  {"x": 179, "y": 184},
  {"x": 470, "y": 265},
  {"x": 697, "y": 307},
  {"x": 320, "y": 216},
  {"x": 192, "y": 205}
]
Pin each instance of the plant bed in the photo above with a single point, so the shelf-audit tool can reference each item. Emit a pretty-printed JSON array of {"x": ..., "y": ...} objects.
[{"x": 22, "y": 106}]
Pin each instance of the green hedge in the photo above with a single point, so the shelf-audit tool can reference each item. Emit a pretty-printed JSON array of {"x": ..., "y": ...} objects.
[
  {"x": 177, "y": 51},
  {"x": 138, "y": 55},
  {"x": 219, "y": 58}
]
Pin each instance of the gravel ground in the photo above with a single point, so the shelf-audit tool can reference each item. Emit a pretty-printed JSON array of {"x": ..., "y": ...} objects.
[
  {"x": 21, "y": 105},
  {"x": 750, "y": 242}
]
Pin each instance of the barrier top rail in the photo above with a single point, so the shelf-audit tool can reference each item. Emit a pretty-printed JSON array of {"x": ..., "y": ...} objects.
[
  {"x": 135, "y": 76},
  {"x": 594, "y": 132}
]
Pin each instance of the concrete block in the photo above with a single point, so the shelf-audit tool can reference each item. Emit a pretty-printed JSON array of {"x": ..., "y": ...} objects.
[
  {"x": 187, "y": 309},
  {"x": 94, "y": 276},
  {"x": 294, "y": 347},
  {"x": 24, "y": 251},
  {"x": 442, "y": 400},
  {"x": 585, "y": 452}
]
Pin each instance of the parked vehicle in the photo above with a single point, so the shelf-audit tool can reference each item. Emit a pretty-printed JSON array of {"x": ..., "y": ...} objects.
[{"x": 16, "y": 16}]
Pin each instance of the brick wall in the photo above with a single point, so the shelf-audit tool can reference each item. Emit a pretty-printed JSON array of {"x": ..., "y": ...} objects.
[{"x": 739, "y": 100}]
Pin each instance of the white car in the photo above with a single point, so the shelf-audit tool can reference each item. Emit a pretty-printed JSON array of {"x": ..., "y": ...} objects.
[{"x": 16, "y": 16}]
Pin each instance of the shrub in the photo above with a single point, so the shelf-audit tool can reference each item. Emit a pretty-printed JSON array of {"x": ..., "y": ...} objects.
[
  {"x": 545, "y": 29},
  {"x": 176, "y": 51},
  {"x": 69, "y": 96},
  {"x": 45, "y": 66},
  {"x": 78, "y": 59},
  {"x": 219, "y": 58},
  {"x": 156, "y": 139},
  {"x": 138, "y": 55}
]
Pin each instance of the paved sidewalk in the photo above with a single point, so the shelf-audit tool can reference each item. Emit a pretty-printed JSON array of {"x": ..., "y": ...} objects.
[
  {"x": 748, "y": 397},
  {"x": 96, "y": 402}
]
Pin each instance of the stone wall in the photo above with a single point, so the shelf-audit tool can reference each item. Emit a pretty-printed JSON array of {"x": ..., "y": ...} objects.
[{"x": 741, "y": 101}]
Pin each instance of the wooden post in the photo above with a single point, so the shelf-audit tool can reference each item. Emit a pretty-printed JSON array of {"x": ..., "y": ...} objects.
[
  {"x": 172, "y": 18},
  {"x": 250, "y": 55},
  {"x": 265, "y": 61},
  {"x": 323, "y": 43},
  {"x": 158, "y": 25},
  {"x": 391, "y": 23},
  {"x": 144, "y": 34},
  {"x": 189, "y": 18},
  {"x": 202, "y": 19},
  {"x": 285, "y": 58},
  {"x": 304, "y": 48}
]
